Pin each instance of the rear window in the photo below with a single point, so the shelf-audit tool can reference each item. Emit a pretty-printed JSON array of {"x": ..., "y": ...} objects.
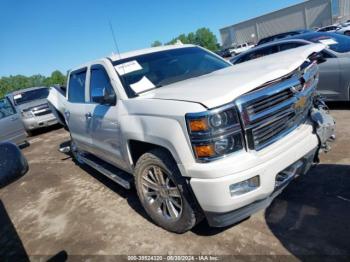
[{"x": 335, "y": 42}]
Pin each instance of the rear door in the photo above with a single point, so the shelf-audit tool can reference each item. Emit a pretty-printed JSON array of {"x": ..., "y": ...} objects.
[
  {"x": 75, "y": 112},
  {"x": 11, "y": 126}
]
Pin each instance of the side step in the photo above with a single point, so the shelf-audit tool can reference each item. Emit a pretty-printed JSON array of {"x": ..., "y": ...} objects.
[{"x": 122, "y": 178}]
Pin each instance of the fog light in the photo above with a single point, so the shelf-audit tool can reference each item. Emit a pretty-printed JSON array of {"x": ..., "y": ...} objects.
[{"x": 245, "y": 186}]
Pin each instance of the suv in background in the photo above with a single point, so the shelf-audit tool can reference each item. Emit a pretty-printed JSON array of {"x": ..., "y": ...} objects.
[{"x": 32, "y": 104}]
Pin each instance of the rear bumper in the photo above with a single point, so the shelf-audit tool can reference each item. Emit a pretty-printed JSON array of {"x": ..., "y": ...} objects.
[{"x": 39, "y": 122}]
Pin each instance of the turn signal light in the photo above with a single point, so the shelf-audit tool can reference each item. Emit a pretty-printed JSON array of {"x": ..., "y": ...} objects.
[
  {"x": 204, "y": 150},
  {"x": 197, "y": 125}
]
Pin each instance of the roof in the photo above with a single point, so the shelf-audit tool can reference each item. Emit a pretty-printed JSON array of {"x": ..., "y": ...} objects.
[
  {"x": 120, "y": 56},
  {"x": 25, "y": 90}
]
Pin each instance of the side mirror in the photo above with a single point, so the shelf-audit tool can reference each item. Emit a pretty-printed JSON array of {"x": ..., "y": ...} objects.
[
  {"x": 104, "y": 97},
  {"x": 12, "y": 163}
]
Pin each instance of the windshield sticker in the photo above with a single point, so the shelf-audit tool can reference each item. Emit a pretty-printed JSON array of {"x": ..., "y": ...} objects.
[
  {"x": 128, "y": 67},
  {"x": 328, "y": 42},
  {"x": 19, "y": 96},
  {"x": 143, "y": 85}
]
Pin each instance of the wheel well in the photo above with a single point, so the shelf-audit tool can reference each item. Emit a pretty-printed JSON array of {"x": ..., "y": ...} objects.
[{"x": 138, "y": 148}]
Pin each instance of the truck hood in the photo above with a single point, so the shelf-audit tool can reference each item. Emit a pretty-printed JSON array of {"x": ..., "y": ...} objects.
[{"x": 225, "y": 85}]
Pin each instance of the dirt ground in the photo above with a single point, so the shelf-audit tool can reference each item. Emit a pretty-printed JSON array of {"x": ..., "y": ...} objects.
[{"x": 59, "y": 207}]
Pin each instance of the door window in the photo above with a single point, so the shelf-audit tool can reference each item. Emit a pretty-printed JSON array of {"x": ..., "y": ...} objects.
[
  {"x": 99, "y": 80},
  {"x": 76, "y": 87},
  {"x": 6, "y": 108}
]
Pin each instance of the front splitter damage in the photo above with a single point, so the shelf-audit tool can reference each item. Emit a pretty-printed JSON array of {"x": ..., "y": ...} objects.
[{"x": 324, "y": 125}]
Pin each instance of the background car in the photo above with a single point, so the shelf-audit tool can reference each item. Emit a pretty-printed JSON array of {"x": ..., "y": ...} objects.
[
  {"x": 224, "y": 53},
  {"x": 11, "y": 126},
  {"x": 334, "y": 81},
  {"x": 33, "y": 106},
  {"x": 344, "y": 30},
  {"x": 330, "y": 28},
  {"x": 281, "y": 36},
  {"x": 240, "y": 48}
]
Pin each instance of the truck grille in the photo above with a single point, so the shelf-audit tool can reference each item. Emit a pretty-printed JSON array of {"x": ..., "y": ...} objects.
[
  {"x": 41, "y": 110},
  {"x": 276, "y": 109}
]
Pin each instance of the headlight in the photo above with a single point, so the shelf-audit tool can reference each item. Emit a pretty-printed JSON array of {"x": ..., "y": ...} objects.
[
  {"x": 215, "y": 133},
  {"x": 27, "y": 114}
]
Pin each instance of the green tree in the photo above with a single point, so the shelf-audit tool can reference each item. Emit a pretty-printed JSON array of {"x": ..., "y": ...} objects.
[
  {"x": 11, "y": 83},
  {"x": 205, "y": 38},
  {"x": 156, "y": 43}
]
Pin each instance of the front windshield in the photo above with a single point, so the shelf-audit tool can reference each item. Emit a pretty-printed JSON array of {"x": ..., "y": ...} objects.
[
  {"x": 28, "y": 96},
  {"x": 337, "y": 43},
  {"x": 145, "y": 72}
]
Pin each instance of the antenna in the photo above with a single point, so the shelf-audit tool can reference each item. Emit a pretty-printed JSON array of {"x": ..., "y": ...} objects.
[{"x": 114, "y": 39}]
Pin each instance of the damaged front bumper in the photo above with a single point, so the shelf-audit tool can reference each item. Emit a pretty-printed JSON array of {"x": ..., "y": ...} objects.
[{"x": 324, "y": 125}]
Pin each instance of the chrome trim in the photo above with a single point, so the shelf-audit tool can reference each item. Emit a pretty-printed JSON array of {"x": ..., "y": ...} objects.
[{"x": 271, "y": 112}]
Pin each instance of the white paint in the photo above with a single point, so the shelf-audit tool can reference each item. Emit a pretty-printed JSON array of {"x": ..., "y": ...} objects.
[
  {"x": 17, "y": 96},
  {"x": 143, "y": 85},
  {"x": 328, "y": 42}
]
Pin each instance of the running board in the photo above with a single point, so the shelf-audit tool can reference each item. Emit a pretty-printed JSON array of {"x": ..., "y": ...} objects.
[{"x": 122, "y": 178}]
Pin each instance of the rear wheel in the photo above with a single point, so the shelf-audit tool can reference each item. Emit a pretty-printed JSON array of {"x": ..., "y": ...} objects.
[{"x": 164, "y": 193}]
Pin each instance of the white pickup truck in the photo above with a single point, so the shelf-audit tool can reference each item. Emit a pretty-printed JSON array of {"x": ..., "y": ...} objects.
[
  {"x": 197, "y": 137},
  {"x": 241, "y": 48}
]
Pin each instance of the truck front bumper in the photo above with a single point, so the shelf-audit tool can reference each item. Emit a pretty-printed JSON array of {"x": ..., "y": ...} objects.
[{"x": 36, "y": 122}]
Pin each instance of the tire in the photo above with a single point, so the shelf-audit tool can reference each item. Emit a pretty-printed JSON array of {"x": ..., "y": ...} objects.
[{"x": 165, "y": 196}]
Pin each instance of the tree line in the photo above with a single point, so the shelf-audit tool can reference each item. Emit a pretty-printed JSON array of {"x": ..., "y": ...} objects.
[
  {"x": 16, "y": 82},
  {"x": 202, "y": 37}
]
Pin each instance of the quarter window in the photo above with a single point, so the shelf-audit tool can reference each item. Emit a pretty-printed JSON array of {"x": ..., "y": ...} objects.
[
  {"x": 6, "y": 108},
  {"x": 99, "y": 80},
  {"x": 76, "y": 89}
]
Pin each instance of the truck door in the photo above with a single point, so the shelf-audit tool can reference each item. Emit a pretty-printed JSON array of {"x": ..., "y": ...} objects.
[
  {"x": 104, "y": 126},
  {"x": 11, "y": 126},
  {"x": 75, "y": 112}
]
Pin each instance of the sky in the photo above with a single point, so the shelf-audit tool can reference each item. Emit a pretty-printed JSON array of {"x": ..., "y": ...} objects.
[{"x": 40, "y": 36}]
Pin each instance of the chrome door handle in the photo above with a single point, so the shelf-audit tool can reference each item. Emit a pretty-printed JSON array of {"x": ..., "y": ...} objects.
[{"x": 88, "y": 116}]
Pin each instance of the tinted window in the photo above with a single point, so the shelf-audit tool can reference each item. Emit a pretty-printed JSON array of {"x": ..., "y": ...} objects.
[
  {"x": 258, "y": 53},
  {"x": 6, "y": 108},
  {"x": 335, "y": 42},
  {"x": 166, "y": 67},
  {"x": 76, "y": 87},
  {"x": 288, "y": 46},
  {"x": 28, "y": 96},
  {"x": 99, "y": 80}
]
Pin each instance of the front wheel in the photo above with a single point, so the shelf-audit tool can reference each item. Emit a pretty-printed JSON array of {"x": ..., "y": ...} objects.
[{"x": 164, "y": 193}]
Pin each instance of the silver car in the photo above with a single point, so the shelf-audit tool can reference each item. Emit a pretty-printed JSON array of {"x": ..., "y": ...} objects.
[
  {"x": 11, "y": 126},
  {"x": 33, "y": 106},
  {"x": 334, "y": 84}
]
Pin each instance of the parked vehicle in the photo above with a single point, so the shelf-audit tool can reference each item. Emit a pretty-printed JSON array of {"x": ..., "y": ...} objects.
[
  {"x": 240, "y": 48},
  {"x": 334, "y": 83},
  {"x": 199, "y": 137},
  {"x": 281, "y": 36},
  {"x": 11, "y": 126},
  {"x": 33, "y": 106},
  {"x": 224, "y": 53},
  {"x": 344, "y": 30},
  {"x": 12, "y": 163},
  {"x": 329, "y": 29}
]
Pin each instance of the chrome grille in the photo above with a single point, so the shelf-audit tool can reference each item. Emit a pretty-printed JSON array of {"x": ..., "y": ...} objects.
[
  {"x": 41, "y": 110},
  {"x": 274, "y": 110}
]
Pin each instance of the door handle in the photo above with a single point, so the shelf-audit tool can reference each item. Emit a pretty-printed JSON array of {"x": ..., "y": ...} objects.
[
  {"x": 66, "y": 114},
  {"x": 88, "y": 116}
]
